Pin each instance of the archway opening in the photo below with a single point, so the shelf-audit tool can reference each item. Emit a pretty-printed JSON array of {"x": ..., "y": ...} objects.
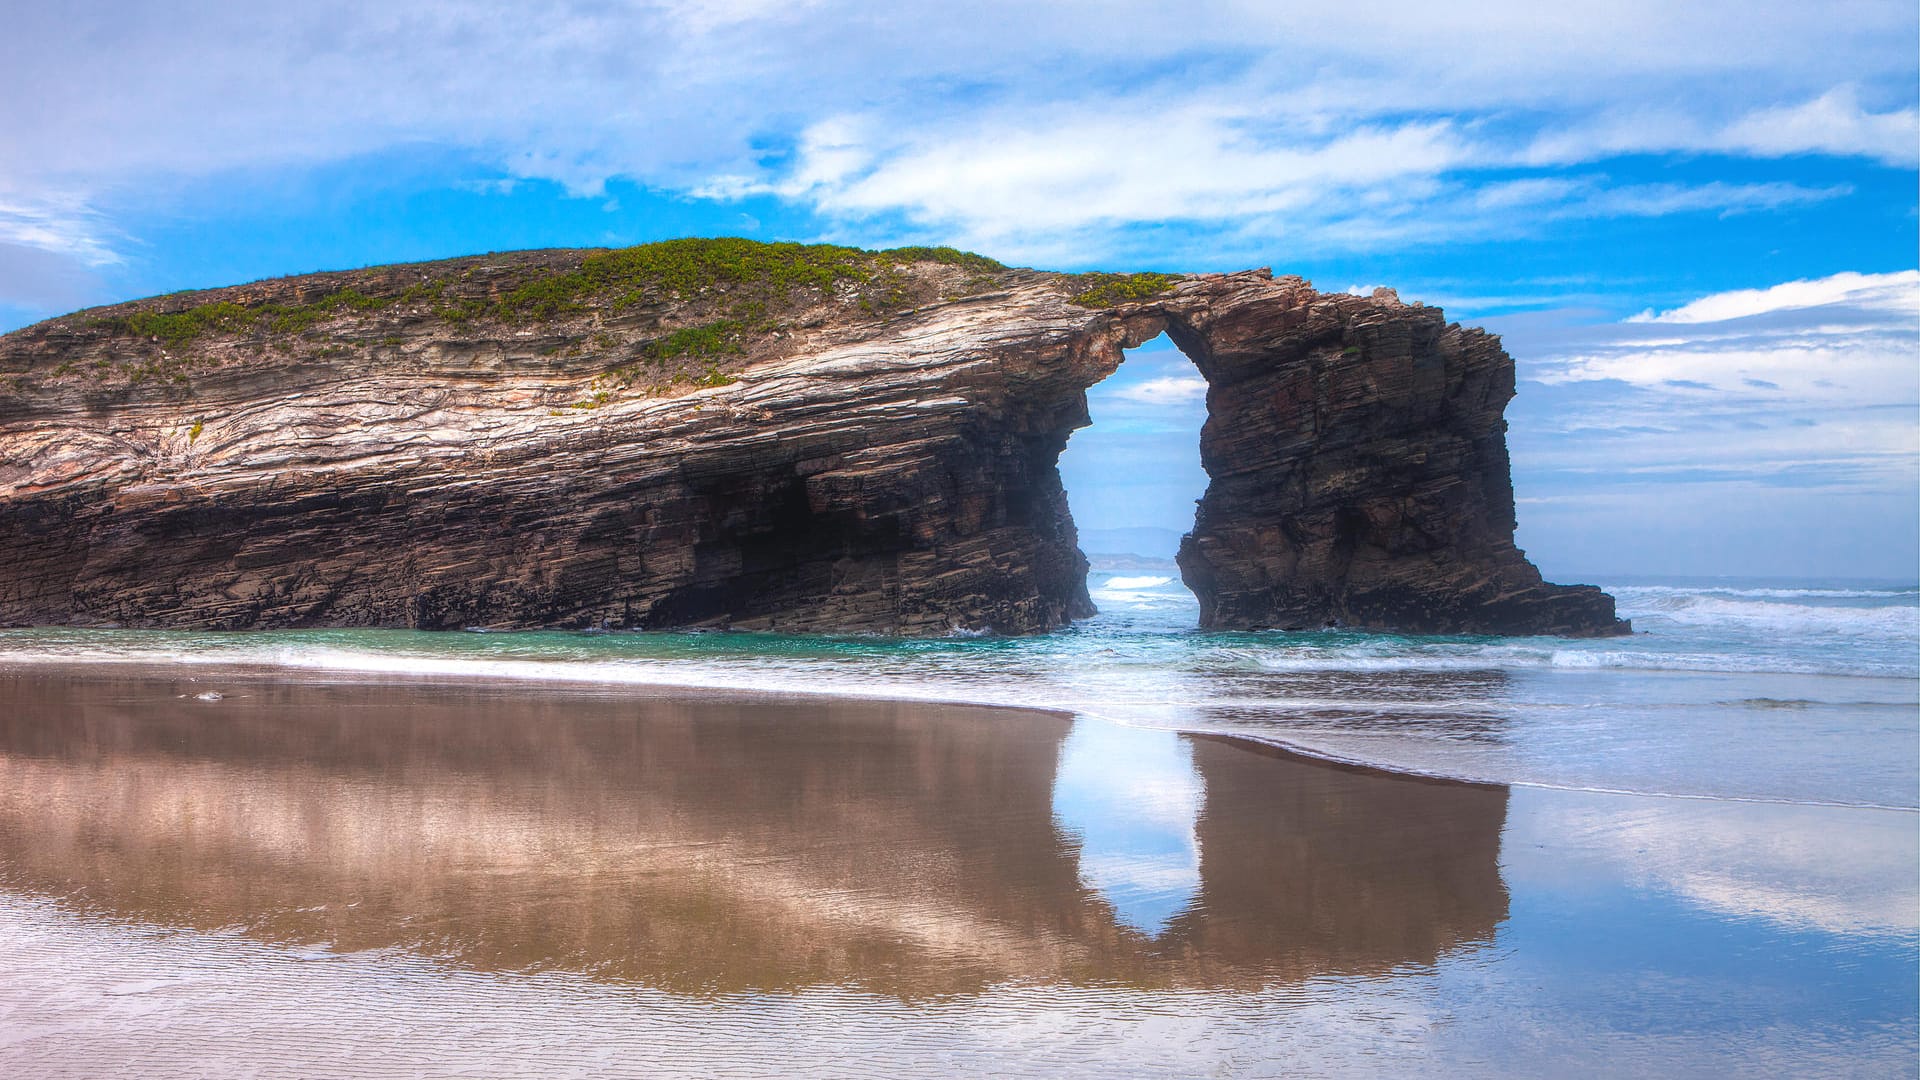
[{"x": 1132, "y": 478}]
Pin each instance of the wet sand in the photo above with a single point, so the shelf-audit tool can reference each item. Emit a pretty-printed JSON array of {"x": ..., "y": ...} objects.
[{"x": 314, "y": 876}]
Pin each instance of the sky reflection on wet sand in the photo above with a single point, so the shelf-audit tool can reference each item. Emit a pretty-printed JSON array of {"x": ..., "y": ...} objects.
[{"x": 342, "y": 877}]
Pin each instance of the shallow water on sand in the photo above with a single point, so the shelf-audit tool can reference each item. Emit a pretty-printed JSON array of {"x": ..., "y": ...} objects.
[
  {"x": 1725, "y": 683},
  {"x": 304, "y": 875}
]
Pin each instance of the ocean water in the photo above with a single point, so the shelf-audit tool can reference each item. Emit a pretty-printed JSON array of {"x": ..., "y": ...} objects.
[{"x": 1795, "y": 692}]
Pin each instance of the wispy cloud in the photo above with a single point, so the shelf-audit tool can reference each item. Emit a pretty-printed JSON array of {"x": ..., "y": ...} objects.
[
  {"x": 1092, "y": 166},
  {"x": 1166, "y": 390},
  {"x": 1893, "y": 298},
  {"x": 1849, "y": 339},
  {"x": 1041, "y": 127},
  {"x": 1029, "y": 182},
  {"x": 1805, "y": 867},
  {"x": 1834, "y": 122},
  {"x": 52, "y": 246},
  {"x": 60, "y": 222},
  {"x": 1804, "y": 384}
]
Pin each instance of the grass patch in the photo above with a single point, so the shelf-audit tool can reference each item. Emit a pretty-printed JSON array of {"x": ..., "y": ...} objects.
[
  {"x": 890, "y": 293},
  {"x": 713, "y": 339},
  {"x": 748, "y": 278},
  {"x": 1106, "y": 290},
  {"x": 979, "y": 264},
  {"x": 738, "y": 292},
  {"x": 752, "y": 274},
  {"x": 226, "y": 317},
  {"x": 713, "y": 376},
  {"x": 181, "y": 327},
  {"x": 683, "y": 269}
]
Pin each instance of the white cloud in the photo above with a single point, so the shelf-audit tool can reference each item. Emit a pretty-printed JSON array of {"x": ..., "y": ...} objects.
[
  {"x": 1833, "y": 123},
  {"x": 1166, "y": 390},
  {"x": 1597, "y": 196},
  {"x": 1463, "y": 207},
  {"x": 1037, "y": 183},
  {"x": 1839, "y": 870},
  {"x": 1895, "y": 294},
  {"x": 1841, "y": 368},
  {"x": 1036, "y": 125},
  {"x": 59, "y": 222},
  {"x": 1810, "y": 384},
  {"x": 1847, "y": 339},
  {"x": 52, "y": 247},
  {"x": 1004, "y": 177},
  {"x": 1659, "y": 200}
]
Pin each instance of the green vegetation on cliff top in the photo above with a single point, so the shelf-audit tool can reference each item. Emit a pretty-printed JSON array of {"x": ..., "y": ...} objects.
[
  {"x": 657, "y": 317},
  {"x": 753, "y": 276},
  {"x": 180, "y": 327},
  {"x": 1106, "y": 290},
  {"x": 618, "y": 279}
]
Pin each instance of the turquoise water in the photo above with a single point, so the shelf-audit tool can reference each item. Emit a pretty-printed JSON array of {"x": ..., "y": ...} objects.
[{"x": 1805, "y": 692}]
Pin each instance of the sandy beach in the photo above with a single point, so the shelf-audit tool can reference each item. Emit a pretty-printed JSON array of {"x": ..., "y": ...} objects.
[{"x": 257, "y": 873}]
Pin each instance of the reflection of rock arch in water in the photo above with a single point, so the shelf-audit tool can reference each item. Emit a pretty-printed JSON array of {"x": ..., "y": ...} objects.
[
  {"x": 701, "y": 844},
  {"x": 1322, "y": 870}
]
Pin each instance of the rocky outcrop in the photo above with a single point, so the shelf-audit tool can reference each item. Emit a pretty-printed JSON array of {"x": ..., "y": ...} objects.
[
  {"x": 1358, "y": 460},
  {"x": 720, "y": 433}
]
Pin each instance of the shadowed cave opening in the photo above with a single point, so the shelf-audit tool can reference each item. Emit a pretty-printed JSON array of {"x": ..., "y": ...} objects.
[{"x": 1132, "y": 478}]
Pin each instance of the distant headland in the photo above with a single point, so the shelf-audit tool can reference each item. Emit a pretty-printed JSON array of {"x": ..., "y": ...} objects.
[{"x": 732, "y": 434}]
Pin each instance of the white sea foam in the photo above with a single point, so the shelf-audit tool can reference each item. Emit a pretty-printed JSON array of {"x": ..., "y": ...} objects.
[
  {"x": 1909, "y": 594},
  {"x": 1772, "y": 615},
  {"x": 1503, "y": 659},
  {"x": 1125, "y": 584}
]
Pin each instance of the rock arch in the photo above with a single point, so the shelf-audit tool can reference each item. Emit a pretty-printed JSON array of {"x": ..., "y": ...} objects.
[
  {"x": 1359, "y": 474},
  {"x": 860, "y": 468}
]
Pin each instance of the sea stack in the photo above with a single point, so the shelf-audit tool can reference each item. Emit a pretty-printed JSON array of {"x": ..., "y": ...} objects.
[{"x": 723, "y": 433}]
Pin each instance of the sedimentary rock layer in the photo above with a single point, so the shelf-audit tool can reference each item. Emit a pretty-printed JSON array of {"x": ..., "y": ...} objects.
[
  {"x": 1358, "y": 460},
  {"x": 727, "y": 434}
]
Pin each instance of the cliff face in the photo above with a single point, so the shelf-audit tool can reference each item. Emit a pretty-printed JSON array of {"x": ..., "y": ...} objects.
[
  {"x": 729, "y": 434},
  {"x": 1358, "y": 457}
]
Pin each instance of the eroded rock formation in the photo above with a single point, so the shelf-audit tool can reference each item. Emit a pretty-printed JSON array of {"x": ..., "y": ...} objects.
[
  {"x": 1357, "y": 454},
  {"x": 719, "y": 433}
]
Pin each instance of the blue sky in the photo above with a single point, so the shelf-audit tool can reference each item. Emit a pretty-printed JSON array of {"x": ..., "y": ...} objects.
[{"x": 1695, "y": 224}]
